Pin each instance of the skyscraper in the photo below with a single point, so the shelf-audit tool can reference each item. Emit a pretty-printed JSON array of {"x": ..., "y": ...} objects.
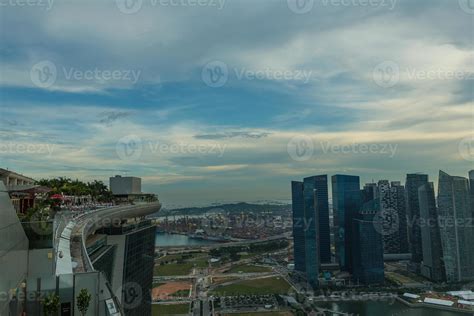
[
  {"x": 367, "y": 246},
  {"x": 311, "y": 237},
  {"x": 346, "y": 199},
  {"x": 457, "y": 233},
  {"x": 369, "y": 192},
  {"x": 316, "y": 201},
  {"x": 298, "y": 225},
  {"x": 471, "y": 186},
  {"x": 413, "y": 182},
  {"x": 432, "y": 266},
  {"x": 393, "y": 212},
  {"x": 312, "y": 241},
  {"x": 133, "y": 264}
]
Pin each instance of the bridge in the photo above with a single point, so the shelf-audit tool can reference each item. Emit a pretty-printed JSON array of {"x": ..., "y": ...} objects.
[{"x": 226, "y": 244}]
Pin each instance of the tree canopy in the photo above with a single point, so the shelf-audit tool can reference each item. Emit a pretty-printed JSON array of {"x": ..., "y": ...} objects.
[{"x": 96, "y": 189}]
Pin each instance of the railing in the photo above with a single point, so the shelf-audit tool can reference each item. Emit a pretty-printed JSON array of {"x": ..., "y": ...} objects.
[{"x": 88, "y": 222}]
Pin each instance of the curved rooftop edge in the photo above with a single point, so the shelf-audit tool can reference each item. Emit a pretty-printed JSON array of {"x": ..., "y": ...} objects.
[{"x": 71, "y": 252}]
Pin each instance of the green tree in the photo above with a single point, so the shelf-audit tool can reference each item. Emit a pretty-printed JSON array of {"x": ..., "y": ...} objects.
[
  {"x": 51, "y": 304},
  {"x": 83, "y": 301}
]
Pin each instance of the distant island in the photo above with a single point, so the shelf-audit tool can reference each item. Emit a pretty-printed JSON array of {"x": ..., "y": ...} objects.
[{"x": 231, "y": 208}]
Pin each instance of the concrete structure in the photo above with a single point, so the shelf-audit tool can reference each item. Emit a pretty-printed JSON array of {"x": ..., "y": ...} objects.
[
  {"x": 125, "y": 185},
  {"x": 457, "y": 232},
  {"x": 13, "y": 252},
  {"x": 10, "y": 178},
  {"x": 133, "y": 263},
  {"x": 57, "y": 260}
]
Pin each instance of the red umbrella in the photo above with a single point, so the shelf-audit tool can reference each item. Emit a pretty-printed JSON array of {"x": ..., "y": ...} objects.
[{"x": 57, "y": 197}]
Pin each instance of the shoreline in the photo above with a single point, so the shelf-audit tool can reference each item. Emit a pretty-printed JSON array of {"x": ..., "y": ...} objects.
[{"x": 432, "y": 306}]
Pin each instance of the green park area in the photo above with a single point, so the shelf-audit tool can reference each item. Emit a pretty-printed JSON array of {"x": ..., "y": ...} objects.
[
  {"x": 180, "y": 264},
  {"x": 273, "y": 285},
  {"x": 170, "y": 309},
  {"x": 173, "y": 269},
  {"x": 248, "y": 268}
]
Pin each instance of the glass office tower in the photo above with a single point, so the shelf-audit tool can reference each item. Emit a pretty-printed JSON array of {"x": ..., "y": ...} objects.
[
  {"x": 133, "y": 264},
  {"x": 346, "y": 199},
  {"x": 312, "y": 258},
  {"x": 413, "y": 182},
  {"x": 317, "y": 202},
  {"x": 311, "y": 236},
  {"x": 457, "y": 233},
  {"x": 298, "y": 226},
  {"x": 432, "y": 267},
  {"x": 367, "y": 246}
]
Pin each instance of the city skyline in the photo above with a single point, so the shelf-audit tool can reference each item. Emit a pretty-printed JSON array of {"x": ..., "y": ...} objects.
[{"x": 82, "y": 123}]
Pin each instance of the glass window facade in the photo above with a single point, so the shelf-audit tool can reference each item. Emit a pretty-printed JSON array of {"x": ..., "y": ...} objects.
[{"x": 346, "y": 198}]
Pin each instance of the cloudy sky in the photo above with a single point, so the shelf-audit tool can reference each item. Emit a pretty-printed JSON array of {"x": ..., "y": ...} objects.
[{"x": 215, "y": 100}]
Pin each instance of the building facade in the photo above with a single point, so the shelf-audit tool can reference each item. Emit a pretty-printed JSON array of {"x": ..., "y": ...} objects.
[
  {"x": 311, "y": 232},
  {"x": 367, "y": 254},
  {"x": 432, "y": 266},
  {"x": 346, "y": 199},
  {"x": 393, "y": 212},
  {"x": 413, "y": 182},
  {"x": 132, "y": 273},
  {"x": 316, "y": 201},
  {"x": 457, "y": 234},
  {"x": 312, "y": 247},
  {"x": 125, "y": 185},
  {"x": 298, "y": 226}
]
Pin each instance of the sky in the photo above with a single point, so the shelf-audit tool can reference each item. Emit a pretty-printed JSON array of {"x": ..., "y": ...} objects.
[{"x": 214, "y": 100}]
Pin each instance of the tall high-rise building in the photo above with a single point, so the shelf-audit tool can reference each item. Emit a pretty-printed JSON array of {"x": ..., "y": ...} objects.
[
  {"x": 298, "y": 226},
  {"x": 457, "y": 233},
  {"x": 393, "y": 213},
  {"x": 316, "y": 201},
  {"x": 367, "y": 252},
  {"x": 312, "y": 245},
  {"x": 346, "y": 199},
  {"x": 311, "y": 236},
  {"x": 369, "y": 192},
  {"x": 432, "y": 266},
  {"x": 413, "y": 182},
  {"x": 132, "y": 273},
  {"x": 471, "y": 187}
]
